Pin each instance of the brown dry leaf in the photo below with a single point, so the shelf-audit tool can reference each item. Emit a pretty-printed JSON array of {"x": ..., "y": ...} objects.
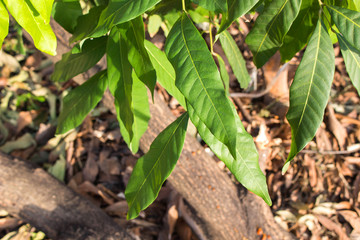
[
  {"x": 172, "y": 218},
  {"x": 322, "y": 140},
  {"x": 110, "y": 166},
  {"x": 119, "y": 209},
  {"x": 310, "y": 163},
  {"x": 25, "y": 119},
  {"x": 9, "y": 223},
  {"x": 91, "y": 168},
  {"x": 183, "y": 230},
  {"x": 336, "y": 128},
  {"x": 351, "y": 217},
  {"x": 332, "y": 226}
]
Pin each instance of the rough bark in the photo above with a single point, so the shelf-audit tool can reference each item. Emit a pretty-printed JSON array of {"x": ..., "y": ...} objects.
[{"x": 33, "y": 195}]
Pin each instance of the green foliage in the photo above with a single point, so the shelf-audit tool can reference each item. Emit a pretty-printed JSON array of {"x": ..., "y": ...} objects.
[
  {"x": 4, "y": 22},
  {"x": 151, "y": 171},
  {"x": 213, "y": 5},
  {"x": 66, "y": 13},
  {"x": 223, "y": 73},
  {"x": 43, "y": 7}
]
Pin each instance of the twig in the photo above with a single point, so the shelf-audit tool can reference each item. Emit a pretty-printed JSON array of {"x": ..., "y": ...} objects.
[{"x": 351, "y": 149}]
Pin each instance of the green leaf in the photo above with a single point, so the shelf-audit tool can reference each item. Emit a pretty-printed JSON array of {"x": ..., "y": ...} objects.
[
  {"x": 348, "y": 23},
  {"x": 80, "y": 101},
  {"x": 151, "y": 171},
  {"x": 235, "y": 58},
  {"x": 218, "y": 6},
  {"x": 4, "y": 22},
  {"x": 74, "y": 62},
  {"x": 43, "y": 7},
  {"x": 352, "y": 61},
  {"x": 236, "y": 8},
  {"x": 270, "y": 29},
  {"x": 198, "y": 78},
  {"x": 120, "y": 79},
  {"x": 27, "y": 16},
  {"x": 300, "y": 32},
  {"x": 140, "y": 109},
  {"x": 310, "y": 90},
  {"x": 66, "y": 14},
  {"x": 245, "y": 167},
  {"x": 154, "y": 24},
  {"x": 58, "y": 169},
  {"x": 223, "y": 73},
  {"x": 134, "y": 35},
  {"x": 164, "y": 71}
]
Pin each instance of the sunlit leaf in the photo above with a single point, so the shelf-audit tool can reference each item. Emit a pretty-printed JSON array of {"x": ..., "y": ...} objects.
[
  {"x": 43, "y": 7},
  {"x": 212, "y": 5},
  {"x": 198, "y": 78},
  {"x": 4, "y": 23},
  {"x": 310, "y": 90},
  {"x": 223, "y": 73},
  {"x": 155, "y": 166}
]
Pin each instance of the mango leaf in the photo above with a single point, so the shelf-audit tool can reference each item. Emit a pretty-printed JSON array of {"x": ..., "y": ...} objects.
[
  {"x": 352, "y": 61},
  {"x": 301, "y": 29},
  {"x": 133, "y": 34},
  {"x": 198, "y": 78},
  {"x": 348, "y": 23},
  {"x": 270, "y": 29},
  {"x": 245, "y": 167},
  {"x": 25, "y": 14},
  {"x": 223, "y": 73},
  {"x": 165, "y": 72},
  {"x": 4, "y": 22},
  {"x": 43, "y": 7},
  {"x": 235, "y": 58},
  {"x": 154, "y": 24},
  {"x": 120, "y": 79},
  {"x": 79, "y": 60},
  {"x": 140, "y": 109},
  {"x": 218, "y": 6},
  {"x": 310, "y": 90},
  {"x": 236, "y": 8},
  {"x": 80, "y": 101},
  {"x": 155, "y": 166},
  {"x": 66, "y": 14}
]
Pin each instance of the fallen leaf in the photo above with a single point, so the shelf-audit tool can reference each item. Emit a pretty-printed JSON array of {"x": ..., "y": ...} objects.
[
  {"x": 91, "y": 168},
  {"x": 25, "y": 119},
  {"x": 332, "y": 226},
  {"x": 22, "y": 142},
  {"x": 336, "y": 128},
  {"x": 9, "y": 223},
  {"x": 119, "y": 209}
]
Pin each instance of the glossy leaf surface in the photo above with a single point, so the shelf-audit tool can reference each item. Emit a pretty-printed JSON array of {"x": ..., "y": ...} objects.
[
  {"x": 310, "y": 90},
  {"x": 73, "y": 64},
  {"x": 270, "y": 29},
  {"x": 198, "y": 79},
  {"x": 26, "y": 15},
  {"x": 155, "y": 166},
  {"x": 352, "y": 61},
  {"x": 348, "y": 23},
  {"x": 236, "y": 8},
  {"x": 43, "y": 7},
  {"x": 235, "y": 58},
  {"x": 80, "y": 101},
  {"x": 4, "y": 22},
  {"x": 213, "y": 5}
]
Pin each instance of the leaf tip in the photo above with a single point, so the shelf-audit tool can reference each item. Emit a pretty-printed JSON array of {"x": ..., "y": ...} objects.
[{"x": 285, "y": 167}]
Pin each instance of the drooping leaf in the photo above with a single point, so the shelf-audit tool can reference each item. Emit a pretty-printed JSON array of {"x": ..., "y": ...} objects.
[
  {"x": 198, "y": 79},
  {"x": 43, "y": 7},
  {"x": 80, "y": 101},
  {"x": 270, "y": 29},
  {"x": 310, "y": 90},
  {"x": 218, "y": 6},
  {"x": 155, "y": 166},
  {"x": 120, "y": 79},
  {"x": 223, "y": 73},
  {"x": 134, "y": 35},
  {"x": 235, "y": 58},
  {"x": 140, "y": 108},
  {"x": 26, "y": 15},
  {"x": 81, "y": 60},
  {"x": 4, "y": 22},
  {"x": 165, "y": 72},
  {"x": 300, "y": 32},
  {"x": 352, "y": 61},
  {"x": 66, "y": 14},
  {"x": 348, "y": 23},
  {"x": 236, "y": 8}
]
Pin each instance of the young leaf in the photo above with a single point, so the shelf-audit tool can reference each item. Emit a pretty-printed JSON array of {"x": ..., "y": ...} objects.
[
  {"x": 73, "y": 64},
  {"x": 348, "y": 23},
  {"x": 26, "y": 15},
  {"x": 155, "y": 166},
  {"x": 352, "y": 61},
  {"x": 140, "y": 109},
  {"x": 198, "y": 78},
  {"x": 80, "y": 101},
  {"x": 236, "y": 8},
  {"x": 66, "y": 14},
  {"x": 218, "y": 6},
  {"x": 133, "y": 34},
  {"x": 310, "y": 90},
  {"x": 165, "y": 72},
  {"x": 270, "y": 29},
  {"x": 43, "y": 7},
  {"x": 223, "y": 73},
  {"x": 245, "y": 167},
  {"x": 300, "y": 32},
  {"x": 235, "y": 58},
  {"x": 120, "y": 79},
  {"x": 4, "y": 23}
]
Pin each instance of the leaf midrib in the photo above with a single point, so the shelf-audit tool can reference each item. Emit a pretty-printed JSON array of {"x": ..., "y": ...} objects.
[{"x": 347, "y": 18}]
